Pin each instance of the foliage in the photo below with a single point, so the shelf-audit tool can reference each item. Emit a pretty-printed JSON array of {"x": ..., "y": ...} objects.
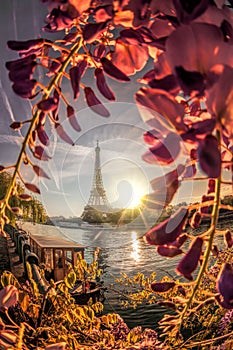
[
  {"x": 42, "y": 320},
  {"x": 21, "y": 204},
  {"x": 186, "y": 102}
]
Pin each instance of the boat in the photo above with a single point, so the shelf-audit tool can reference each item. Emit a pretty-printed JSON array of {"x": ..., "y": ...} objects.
[{"x": 57, "y": 256}]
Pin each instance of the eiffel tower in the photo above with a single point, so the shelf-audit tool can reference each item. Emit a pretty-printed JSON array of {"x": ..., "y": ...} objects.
[{"x": 98, "y": 205}]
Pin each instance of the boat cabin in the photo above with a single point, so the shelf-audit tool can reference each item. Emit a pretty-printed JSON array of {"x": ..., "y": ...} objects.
[{"x": 58, "y": 254}]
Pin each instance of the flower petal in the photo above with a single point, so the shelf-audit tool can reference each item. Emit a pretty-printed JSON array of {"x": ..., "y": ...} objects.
[
  {"x": 209, "y": 156},
  {"x": 164, "y": 152},
  {"x": 102, "y": 85},
  {"x": 161, "y": 287},
  {"x": 94, "y": 103},
  {"x": 167, "y": 231},
  {"x": 189, "y": 262},
  {"x": 113, "y": 71},
  {"x": 163, "y": 106},
  {"x": 168, "y": 251}
]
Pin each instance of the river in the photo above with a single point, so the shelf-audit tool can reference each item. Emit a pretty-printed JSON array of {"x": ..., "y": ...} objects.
[{"x": 122, "y": 251}]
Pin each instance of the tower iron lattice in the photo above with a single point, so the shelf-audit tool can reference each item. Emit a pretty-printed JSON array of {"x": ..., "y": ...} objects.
[{"x": 98, "y": 201}]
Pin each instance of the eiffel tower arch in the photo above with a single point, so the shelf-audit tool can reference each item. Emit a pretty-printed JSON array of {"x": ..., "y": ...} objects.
[{"x": 98, "y": 205}]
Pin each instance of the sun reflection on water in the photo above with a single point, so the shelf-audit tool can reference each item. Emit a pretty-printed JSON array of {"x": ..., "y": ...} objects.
[{"x": 135, "y": 253}]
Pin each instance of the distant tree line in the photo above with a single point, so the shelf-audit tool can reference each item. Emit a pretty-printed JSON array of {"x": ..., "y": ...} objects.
[{"x": 30, "y": 208}]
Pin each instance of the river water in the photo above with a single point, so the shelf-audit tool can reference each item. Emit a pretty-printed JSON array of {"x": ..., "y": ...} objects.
[{"x": 121, "y": 251}]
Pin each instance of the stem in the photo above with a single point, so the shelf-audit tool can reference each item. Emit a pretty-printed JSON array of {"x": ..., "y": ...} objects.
[
  {"x": 212, "y": 230},
  {"x": 50, "y": 87}
]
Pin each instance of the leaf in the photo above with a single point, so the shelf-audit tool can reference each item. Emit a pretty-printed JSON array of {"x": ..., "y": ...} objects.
[
  {"x": 32, "y": 188},
  {"x": 70, "y": 279},
  {"x": 113, "y": 71},
  {"x": 24, "y": 300},
  {"x": 40, "y": 172}
]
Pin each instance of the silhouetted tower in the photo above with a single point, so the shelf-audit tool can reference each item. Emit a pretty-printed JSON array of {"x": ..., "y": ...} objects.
[{"x": 98, "y": 201}]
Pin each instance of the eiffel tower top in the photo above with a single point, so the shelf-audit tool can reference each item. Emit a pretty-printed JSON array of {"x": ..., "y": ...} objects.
[{"x": 98, "y": 198}]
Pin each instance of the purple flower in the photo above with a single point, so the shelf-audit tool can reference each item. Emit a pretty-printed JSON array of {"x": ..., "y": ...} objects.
[
  {"x": 163, "y": 106},
  {"x": 167, "y": 231},
  {"x": 25, "y": 73},
  {"x": 92, "y": 31},
  {"x": 169, "y": 251},
  {"x": 211, "y": 186},
  {"x": 58, "y": 20},
  {"x": 20, "y": 63},
  {"x": 72, "y": 119},
  {"x": 189, "y": 262},
  {"x": 164, "y": 152},
  {"x": 76, "y": 74},
  {"x": 102, "y": 85},
  {"x": 25, "y": 88},
  {"x": 48, "y": 105},
  {"x": 209, "y": 156},
  {"x": 187, "y": 11},
  {"x": 94, "y": 103},
  {"x": 228, "y": 239},
  {"x": 168, "y": 83},
  {"x": 63, "y": 135},
  {"x": 192, "y": 83},
  {"x": 42, "y": 135},
  {"x": 180, "y": 240},
  {"x": 99, "y": 52},
  {"x": 195, "y": 220},
  {"x": 128, "y": 58},
  {"x": 26, "y": 46},
  {"x": 161, "y": 287},
  {"x": 224, "y": 286},
  {"x": 41, "y": 154},
  {"x": 164, "y": 188},
  {"x": 113, "y": 71}
]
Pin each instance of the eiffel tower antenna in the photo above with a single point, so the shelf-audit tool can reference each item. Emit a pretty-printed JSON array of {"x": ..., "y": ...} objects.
[{"x": 98, "y": 201}]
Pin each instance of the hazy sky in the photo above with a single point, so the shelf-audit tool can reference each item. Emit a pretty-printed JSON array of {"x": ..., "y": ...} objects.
[{"x": 125, "y": 175}]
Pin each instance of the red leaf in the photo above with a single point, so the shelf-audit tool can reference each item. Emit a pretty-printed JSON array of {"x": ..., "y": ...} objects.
[
  {"x": 40, "y": 172},
  {"x": 32, "y": 188},
  {"x": 63, "y": 135}
]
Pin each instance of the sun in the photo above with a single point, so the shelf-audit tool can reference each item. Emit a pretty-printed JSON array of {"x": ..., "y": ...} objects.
[{"x": 138, "y": 191}]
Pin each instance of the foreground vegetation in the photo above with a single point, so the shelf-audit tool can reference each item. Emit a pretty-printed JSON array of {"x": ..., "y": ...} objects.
[{"x": 186, "y": 103}]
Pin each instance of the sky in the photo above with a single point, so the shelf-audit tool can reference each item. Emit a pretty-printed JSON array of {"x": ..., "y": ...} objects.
[{"x": 126, "y": 176}]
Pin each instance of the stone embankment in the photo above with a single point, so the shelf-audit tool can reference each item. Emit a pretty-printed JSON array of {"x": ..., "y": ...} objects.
[{"x": 4, "y": 255}]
